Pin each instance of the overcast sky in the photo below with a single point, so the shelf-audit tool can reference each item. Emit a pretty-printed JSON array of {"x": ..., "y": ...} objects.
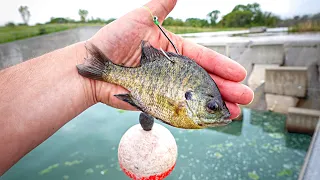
[{"x": 42, "y": 10}]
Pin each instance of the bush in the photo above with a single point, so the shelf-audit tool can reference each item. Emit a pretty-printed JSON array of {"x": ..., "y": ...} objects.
[
  {"x": 60, "y": 20},
  {"x": 10, "y": 24},
  {"x": 42, "y": 31}
]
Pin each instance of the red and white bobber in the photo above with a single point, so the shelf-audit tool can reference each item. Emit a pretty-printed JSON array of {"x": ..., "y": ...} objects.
[{"x": 147, "y": 151}]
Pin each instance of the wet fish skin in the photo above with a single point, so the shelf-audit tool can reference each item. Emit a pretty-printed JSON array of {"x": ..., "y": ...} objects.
[{"x": 177, "y": 91}]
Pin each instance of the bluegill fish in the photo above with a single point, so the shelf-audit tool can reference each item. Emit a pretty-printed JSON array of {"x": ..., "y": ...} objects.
[{"x": 169, "y": 87}]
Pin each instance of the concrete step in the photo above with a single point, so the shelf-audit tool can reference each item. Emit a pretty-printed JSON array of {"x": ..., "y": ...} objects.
[
  {"x": 257, "y": 76},
  {"x": 300, "y": 120},
  {"x": 288, "y": 81},
  {"x": 280, "y": 103}
]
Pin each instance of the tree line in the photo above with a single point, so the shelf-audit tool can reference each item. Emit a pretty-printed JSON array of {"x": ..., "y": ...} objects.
[
  {"x": 249, "y": 15},
  {"x": 25, "y": 15}
]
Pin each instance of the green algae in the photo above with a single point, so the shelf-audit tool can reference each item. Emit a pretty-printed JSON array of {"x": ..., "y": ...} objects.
[
  {"x": 68, "y": 163},
  {"x": 49, "y": 169},
  {"x": 253, "y": 175},
  {"x": 89, "y": 171}
]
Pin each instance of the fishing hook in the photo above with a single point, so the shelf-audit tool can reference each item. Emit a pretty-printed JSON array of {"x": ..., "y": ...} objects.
[{"x": 156, "y": 22}]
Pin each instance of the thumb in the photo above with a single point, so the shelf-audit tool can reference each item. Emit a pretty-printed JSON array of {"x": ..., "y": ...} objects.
[{"x": 161, "y": 8}]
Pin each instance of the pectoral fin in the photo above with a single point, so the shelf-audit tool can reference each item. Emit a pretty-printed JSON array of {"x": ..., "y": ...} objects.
[
  {"x": 129, "y": 99},
  {"x": 178, "y": 106}
]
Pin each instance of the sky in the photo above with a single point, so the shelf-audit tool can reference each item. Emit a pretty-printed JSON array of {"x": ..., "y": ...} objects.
[{"x": 42, "y": 11}]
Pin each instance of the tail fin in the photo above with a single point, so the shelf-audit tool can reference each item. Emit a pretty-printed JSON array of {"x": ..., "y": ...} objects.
[{"x": 93, "y": 66}]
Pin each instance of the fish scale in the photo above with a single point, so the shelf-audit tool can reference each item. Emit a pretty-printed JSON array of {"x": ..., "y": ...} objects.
[{"x": 158, "y": 87}]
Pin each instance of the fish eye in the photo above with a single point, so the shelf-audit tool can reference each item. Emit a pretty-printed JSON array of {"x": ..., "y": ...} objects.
[
  {"x": 212, "y": 105},
  {"x": 188, "y": 95}
]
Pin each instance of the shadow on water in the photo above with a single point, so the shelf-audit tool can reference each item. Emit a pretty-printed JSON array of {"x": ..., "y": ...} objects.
[
  {"x": 258, "y": 147},
  {"x": 274, "y": 124},
  {"x": 233, "y": 128}
]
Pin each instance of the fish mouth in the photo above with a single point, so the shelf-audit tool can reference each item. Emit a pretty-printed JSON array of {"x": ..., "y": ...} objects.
[{"x": 223, "y": 122}]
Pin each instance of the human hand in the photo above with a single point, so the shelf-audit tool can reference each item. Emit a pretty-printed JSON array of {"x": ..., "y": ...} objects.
[{"x": 121, "y": 42}]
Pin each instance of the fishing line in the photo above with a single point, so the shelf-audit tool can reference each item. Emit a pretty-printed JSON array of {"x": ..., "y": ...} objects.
[{"x": 156, "y": 22}]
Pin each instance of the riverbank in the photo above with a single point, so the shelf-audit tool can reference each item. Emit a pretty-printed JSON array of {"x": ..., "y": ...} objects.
[
  {"x": 186, "y": 29},
  {"x": 309, "y": 26},
  {"x": 13, "y": 33}
]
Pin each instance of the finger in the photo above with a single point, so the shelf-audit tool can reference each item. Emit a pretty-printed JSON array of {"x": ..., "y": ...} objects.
[
  {"x": 161, "y": 8},
  {"x": 214, "y": 62},
  {"x": 234, "y": 109},
  {"x": 232, "y": 91}
]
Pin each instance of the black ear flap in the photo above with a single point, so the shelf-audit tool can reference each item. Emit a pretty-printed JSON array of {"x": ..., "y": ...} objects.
[
  {"x": 212, "y": 105},
  {"x": 188, "y": 95}
]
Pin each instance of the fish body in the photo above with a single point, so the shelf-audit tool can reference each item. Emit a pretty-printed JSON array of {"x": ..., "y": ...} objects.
[{"x": 170, "y": 87}]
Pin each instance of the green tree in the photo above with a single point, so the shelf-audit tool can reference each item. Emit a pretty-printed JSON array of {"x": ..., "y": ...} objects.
[
  {"x": 270, "y": 19},
  {"x": 57, "y": 20},
  {"x": 237, "y": 19},
  {"x": 10, "y": 24},
  {"x": 110, "y": 20},
  {"x": 170, "y": 21},
  {"x": 83, "y": 14},
  {"x": 25, "y": 14},
  {"x": 196, "y": 22},
  {"x": 249, "y": 15},
  {"x": 213, "y": 16}
]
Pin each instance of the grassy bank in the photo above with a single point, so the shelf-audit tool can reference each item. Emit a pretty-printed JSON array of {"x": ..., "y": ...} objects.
[
  {"x": 309, "y": 26},
  {"x": 184, "y": 29},
  {"x": 8, "y": 34}
]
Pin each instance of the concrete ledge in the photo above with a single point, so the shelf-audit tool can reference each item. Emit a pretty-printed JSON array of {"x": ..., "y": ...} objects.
[
  {"x": 257, "y": 29},
  {"x": 301, "y": 120},
  {"x": 279, "y": 103},
  {"x": 257, "y": 76},
  {"x": 307, "y": 44},
  {"x": 267, "y": 54},
  {"x": 259, "y": 102},
  {"x": 310, "y": 168},
  {"x": 290, "y": 81},
  {"x": 235, "y": 50},
  {"x": 301, "y": 54}
]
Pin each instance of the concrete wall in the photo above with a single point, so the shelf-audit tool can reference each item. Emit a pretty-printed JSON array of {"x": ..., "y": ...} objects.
[
  {"x": 284, "y": 53},
  {"x": 288, "y": 80},
  {"x": 302, "y": 120}
]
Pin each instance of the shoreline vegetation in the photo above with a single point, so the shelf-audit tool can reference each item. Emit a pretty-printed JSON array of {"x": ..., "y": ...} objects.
[
  {"x": 13, "y": 33},
  {"x": 309, "y": 26},
  {"x": 240, "y": 18},
  {"x": 9, "y": 34}
]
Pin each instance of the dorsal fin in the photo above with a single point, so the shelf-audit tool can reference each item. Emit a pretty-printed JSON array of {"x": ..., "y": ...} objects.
[{"x": 149, "y": 53}]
